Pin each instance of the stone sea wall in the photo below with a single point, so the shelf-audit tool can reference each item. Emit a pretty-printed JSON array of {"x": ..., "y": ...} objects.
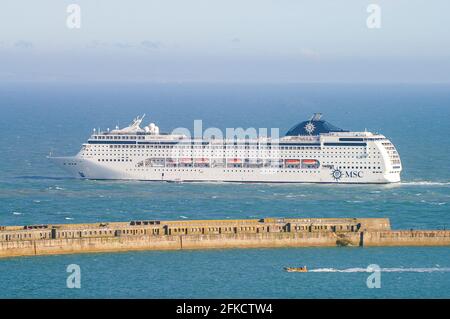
[
  {"x": 176, "y": 235},
  {"x": 129, "y": 243},
  {"x": 407, "y": 238}
]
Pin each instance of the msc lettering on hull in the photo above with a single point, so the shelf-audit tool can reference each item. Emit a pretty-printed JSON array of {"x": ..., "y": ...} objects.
[
  {"x": 354, "y": 174},
  {"x": 338, "y": 174}
]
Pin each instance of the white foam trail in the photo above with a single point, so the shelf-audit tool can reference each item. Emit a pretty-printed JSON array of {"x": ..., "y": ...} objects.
[
  {"x": 294, "y": 196},
  {"x": 17, "y": 213},
  {"x": 356, "y": 269},
  {"x": 424, "y": 183}
]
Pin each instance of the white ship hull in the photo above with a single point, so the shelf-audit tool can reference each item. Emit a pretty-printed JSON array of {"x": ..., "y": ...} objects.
[{"x": 90, "y": 169}]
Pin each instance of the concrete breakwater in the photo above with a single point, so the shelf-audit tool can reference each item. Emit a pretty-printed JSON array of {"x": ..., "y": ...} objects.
[{"x": 203, "y": 234}]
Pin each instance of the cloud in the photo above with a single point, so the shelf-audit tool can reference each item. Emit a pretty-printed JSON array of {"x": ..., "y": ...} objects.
[
  {"x": 95, "y": 44},
  {"x": 23, "y": 45},
  {"x": 150, "y": 44},
  {"x": 309, "y": 53},
  {"x": 123, "y": 45}
]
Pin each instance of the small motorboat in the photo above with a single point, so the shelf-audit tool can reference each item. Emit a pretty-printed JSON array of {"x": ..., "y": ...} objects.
[{"x": 296, "y": 269}]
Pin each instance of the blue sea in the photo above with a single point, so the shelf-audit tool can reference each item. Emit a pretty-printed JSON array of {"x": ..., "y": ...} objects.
[{"x": 37, "y": 119}]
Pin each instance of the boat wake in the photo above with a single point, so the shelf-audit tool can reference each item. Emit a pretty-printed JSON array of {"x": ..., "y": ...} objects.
[
  {"x": 428, "y": 270},
  {"x": 38, "y": 177},
  {"x": 424, "y": 183}
]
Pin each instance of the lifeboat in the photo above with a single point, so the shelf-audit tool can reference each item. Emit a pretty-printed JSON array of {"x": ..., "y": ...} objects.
[
  {"x": 296, "y": 269},
  {"x": 186, "y": 160},
  {"x": 234, "y": 160},
  {"x": 310, "y": 162},
  {"x": 292, "y": 161},
  {"x": 276, "y": 161},
  {"x": 201, "y": 160}
]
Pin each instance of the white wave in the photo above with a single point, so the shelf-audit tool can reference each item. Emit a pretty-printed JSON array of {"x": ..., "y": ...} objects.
[
  {"x": 17, "y": 213},
  {"x": 184, "y": 217},
  {"x": 69, "y": 218},
  {"x": 434, "y": 203},
  {"x": 36, "y": 201},
  {"x": 294, "y": 196},
  {"x": 55, "y": 188},
  {"x": 354, "y": 201},
  {"x": 357, "y": 269},
  {"x": 424, "y": 183}
]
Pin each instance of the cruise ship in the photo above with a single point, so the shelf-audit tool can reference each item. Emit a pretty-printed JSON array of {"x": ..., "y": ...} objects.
[{"x": 313, "y": 151}]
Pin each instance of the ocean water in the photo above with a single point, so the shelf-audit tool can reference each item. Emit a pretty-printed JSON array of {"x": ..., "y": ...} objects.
[{"x": 38, "y": 119}]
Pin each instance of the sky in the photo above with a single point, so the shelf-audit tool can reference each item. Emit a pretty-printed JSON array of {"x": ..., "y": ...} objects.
[{"x": 225, "y": 41}]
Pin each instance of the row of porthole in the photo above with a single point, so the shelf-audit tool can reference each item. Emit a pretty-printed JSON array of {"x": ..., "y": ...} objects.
[
  {"x": 219, "y": 155},
  {"x": 225, "y": 170},
  {"x": 340, "y": 167},
  {"x": 233, "y": 152},
  {"x": 114, "y": 160},
  {"x": 234, "y": 149},
  {"x": 357, "y": 167},
  {"x": 147, "y": 147}
]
